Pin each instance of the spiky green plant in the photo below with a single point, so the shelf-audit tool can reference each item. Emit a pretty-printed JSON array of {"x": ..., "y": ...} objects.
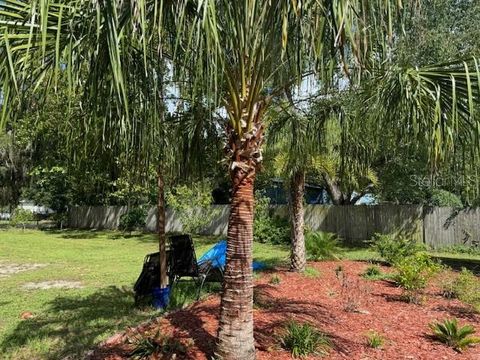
[
  {"x": 304, "y": 339},
  {"x": 375, "y": 340},
  {"x": 450, "y": 333},
  {"x": 322, "y": 246}
]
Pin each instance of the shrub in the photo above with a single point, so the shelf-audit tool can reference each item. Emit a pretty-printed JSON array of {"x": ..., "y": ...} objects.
[
  {"x": 322, "y": 246},
  {"x": 21, "y": 217},
  {"x": 466, "y": 288},
  {"x": 372, "y": 272},
  {"x": 193, "y": 206},
  {"x": 393, "y": 247},
  {"x": 454, "y": 336},
  {"x": 275, "y": 280},
  {"x": 304, "y": 339},
  {"x": 133, "y": 219},
  {"x": 413, "y": 274},
  {"x": 444, "y": 198},
  {"x": 375, "y": 340},
  {"x": 266, "y": 228},
  {"x": 146, "y": 346}
]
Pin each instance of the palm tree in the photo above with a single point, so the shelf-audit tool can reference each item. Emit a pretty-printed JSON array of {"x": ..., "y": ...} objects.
[{"x": 237, "y": 54}]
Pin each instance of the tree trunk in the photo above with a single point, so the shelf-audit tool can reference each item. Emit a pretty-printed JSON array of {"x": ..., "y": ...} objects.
[
  {"x": 297, "y": 189},
  {"x": 235, "y": 335},
  {"x": 162, "y": 239},
  {"x": 334, "y": 191}
]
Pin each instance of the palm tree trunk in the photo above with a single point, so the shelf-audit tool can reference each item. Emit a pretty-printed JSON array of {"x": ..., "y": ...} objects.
[
  {"x": 297, "y": 189},
  {"x": 161, "y": 226},
  {"x": 235, "y": 335}
]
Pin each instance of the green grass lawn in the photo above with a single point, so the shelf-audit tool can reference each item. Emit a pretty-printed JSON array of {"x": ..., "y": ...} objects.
[{"x": 70, "y": 321}]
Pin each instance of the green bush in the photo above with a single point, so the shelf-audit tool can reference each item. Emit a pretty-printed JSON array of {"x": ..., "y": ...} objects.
[
  {"x": 322, "y": 246},
  {"x": 266, "y": 228},
  {"x": 304, "y": 339},
  {"x": 444, "y": 198},
  {"x": 454, "y": 336},
  {"x": 396, "y": 246},
  {"x": 466, "y": 288},
  {"x": 21, "y": 217},
  {"x": 413, "y": 274},
  {"x": 373, "y": 273},
  {"x": 133, "y": 219},
  {"x": 193, "y": 206}
]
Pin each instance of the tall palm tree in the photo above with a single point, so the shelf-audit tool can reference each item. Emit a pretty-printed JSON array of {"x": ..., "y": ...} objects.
[{"x": 239, "y": 54}]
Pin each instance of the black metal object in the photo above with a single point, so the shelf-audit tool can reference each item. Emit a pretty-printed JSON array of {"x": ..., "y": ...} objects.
[{"x": 182, "y": 262}]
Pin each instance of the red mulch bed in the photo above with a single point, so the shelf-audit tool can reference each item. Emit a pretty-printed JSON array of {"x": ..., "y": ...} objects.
[{"x": 320, "y": 301}]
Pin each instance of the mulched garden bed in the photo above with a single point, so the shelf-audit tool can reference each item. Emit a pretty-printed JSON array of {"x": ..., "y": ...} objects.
[{"x": 322, "y": 301}]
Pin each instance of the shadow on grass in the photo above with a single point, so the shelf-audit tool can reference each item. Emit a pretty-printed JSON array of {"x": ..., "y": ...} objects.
[
  {"x": 458, "y": 263},
  {"x": 72, "y": 325}
]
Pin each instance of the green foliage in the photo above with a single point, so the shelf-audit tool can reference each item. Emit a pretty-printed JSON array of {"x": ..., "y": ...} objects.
[
  {"x": 193, "y": 205},
  {"x": 134, "y": 218},
  {"x": 465, "y": 287},
  {"x": 444, "y": 198},
  {"x": 266, "y": 228},
  {"x": 144, "y": 346},
  {"x": 21, "y": 217},
  {"x": 373, "y": 273},
  {"x": 375, "y": 340},
  {"x": 50, "y": 187},
  {"x": 322, "y": 246},
  {"x": 304, "y": 339},
  {"x": 311, "y": 272},
  {"x": 461, "y": 249},
  {"x": 413, "y": 274},
  {"x": 275, "y": 280},
  {"x": 451, "y": 334},
  {"x": 396, "y": 246}
]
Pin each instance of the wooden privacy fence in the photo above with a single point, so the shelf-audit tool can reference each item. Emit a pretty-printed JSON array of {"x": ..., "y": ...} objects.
[{"x": 436, "y": 227}]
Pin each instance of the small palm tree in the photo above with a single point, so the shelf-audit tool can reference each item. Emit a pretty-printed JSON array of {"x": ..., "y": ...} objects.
[{"x": 450, "y": 333}]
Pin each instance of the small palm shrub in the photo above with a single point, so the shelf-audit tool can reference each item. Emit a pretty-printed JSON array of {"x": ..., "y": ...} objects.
[
  {"x": 133, "y": 219},
  {"x": 393, "y": 247},
  {"x": 449, "y": 332},
  {"x": 322, "y": 246},
  {"x": 413, "y": 274},
  {"x": 375, "y": 340},
  {"x": 304, "y": 339}
]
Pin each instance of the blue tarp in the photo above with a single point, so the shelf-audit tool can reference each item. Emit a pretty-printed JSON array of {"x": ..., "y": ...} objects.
[{"x": 217, "y": 255}]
